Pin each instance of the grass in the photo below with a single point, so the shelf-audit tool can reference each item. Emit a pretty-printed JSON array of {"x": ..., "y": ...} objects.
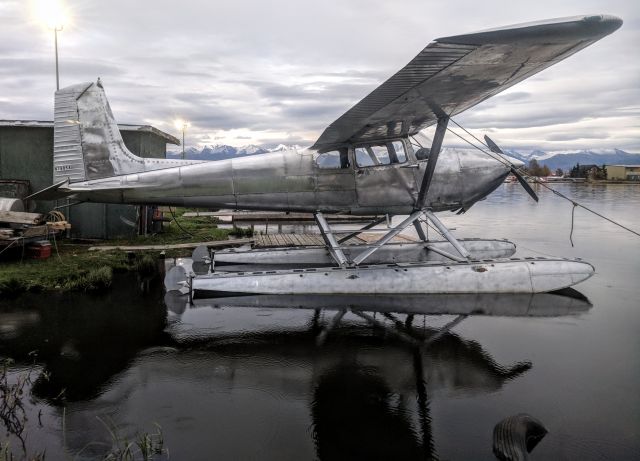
[
  {"x": 181, "y": 230},
  {"x": 13, "y": 416},
  {"x": 77, "y": 269},
  {"x": 145, "y": 446}
]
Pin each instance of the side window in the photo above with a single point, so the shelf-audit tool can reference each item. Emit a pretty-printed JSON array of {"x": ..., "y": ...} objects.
[
  {"x": 382, "y": 154},
  {"x": 333, "y": 160},
  {"x": 372, "y": 156},
  {"x": 363, "y": 158},
  {"x": 398, "y": 148}
]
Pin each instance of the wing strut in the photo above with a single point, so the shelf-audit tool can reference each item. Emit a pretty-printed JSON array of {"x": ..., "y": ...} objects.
[{"x": 436, "y": 145}]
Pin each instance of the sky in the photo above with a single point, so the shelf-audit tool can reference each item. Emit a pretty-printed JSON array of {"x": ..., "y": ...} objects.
[{"x": 280, "y": 71}]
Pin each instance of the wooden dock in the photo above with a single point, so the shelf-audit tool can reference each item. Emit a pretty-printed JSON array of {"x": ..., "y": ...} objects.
[
  {"x": 293, "y": 240},
  {"x": 210, "y": 244}
]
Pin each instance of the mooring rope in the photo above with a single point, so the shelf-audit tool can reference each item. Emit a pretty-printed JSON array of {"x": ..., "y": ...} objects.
[
  {"x": 9, "y": 246},
  {"x": 573, "y": 212},
  {"x": 524, "y": 173},
  {"x": 179, "y": 226}
]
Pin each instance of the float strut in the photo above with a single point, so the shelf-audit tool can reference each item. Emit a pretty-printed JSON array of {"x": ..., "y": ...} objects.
[
  {"x": 420, "y": 230},
  {"x": 447, "y": 234},
  {"x": 332, "y": 245},
  {"x": 388, "y": 236},
  {"x": 373, "y": 223}
]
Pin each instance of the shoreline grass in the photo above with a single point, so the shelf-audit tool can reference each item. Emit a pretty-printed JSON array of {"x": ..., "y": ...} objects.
[{"x": 74, "y": 268}]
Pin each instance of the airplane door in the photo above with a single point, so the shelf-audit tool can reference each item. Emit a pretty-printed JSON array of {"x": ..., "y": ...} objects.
[{"x": 384, "y": 175}]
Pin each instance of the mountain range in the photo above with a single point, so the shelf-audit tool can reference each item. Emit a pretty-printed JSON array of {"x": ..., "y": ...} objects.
[
  {"x": 564, "y": 159},
  {"x": 223, "y": 151},
  {"x": 567, "y": 159}
]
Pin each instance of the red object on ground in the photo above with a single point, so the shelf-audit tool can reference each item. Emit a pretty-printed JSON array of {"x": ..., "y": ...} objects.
[{"x": 39, "y": 250}]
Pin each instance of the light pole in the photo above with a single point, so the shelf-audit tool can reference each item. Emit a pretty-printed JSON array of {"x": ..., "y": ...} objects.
[
  {"x": 183, "y": 125},
  {"x": 56, "y": 29}
]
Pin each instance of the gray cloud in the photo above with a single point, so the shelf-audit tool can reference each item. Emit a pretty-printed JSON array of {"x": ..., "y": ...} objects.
[
  {"x": 569, "y": 136},
  {"x": 283, "y": 70}
]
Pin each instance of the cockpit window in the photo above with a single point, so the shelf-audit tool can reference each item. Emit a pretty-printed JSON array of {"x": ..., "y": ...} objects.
[
  {"x": 333, "y": 160},
  {"x": 398, "y": 148},
  {"x": 380, "y": 154}
]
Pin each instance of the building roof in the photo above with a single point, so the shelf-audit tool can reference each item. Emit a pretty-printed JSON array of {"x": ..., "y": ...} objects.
[
  {"x": 122, "y": 126},
  {"x": 627, "y": 166}
]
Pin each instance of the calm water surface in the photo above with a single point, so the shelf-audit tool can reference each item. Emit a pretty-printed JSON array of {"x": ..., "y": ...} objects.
[{"x": 228, "y": 382}]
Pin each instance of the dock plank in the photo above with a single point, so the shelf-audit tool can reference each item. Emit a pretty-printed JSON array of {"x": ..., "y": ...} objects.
[
  {"x": 20, "y": 217},
  {"x": 210, "y": 244}
]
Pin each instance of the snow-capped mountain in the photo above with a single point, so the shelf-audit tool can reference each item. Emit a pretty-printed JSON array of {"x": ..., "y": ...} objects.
[
  {"x": 565, "y": 159},
  {"x": 223, "y": 151}
]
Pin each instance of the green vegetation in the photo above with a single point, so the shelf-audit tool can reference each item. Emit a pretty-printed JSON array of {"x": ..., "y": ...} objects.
[
  {"x": 145, "y": 446},
  {"x": 535, "y": 169},
  {"x": 74, "y": 268},
  {"x": 181, "y": 230},
  {"x": 13, "y": 414},
  {"x": 589, "y": 171}
]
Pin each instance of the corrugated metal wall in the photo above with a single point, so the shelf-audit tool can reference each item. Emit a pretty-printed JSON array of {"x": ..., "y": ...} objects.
[{"x": 27, "y": 153}]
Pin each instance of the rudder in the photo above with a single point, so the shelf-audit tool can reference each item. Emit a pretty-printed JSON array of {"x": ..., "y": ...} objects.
[{"x": 87, "y": 143}]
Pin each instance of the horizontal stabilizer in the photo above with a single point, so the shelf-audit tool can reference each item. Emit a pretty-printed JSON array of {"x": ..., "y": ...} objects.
[
  {"x": 83, "y": 191},
  {"x": 53, "y": 192}
]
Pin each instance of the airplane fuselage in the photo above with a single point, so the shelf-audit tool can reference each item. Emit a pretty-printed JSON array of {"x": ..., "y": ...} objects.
[{"x": 300, "y": 181}]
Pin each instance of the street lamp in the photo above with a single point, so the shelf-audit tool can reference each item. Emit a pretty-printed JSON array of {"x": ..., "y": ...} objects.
[
  {"x": 183, "y": 125},
  {"x": 56, "y": 29},
  {"x": 53, "y": 14}
]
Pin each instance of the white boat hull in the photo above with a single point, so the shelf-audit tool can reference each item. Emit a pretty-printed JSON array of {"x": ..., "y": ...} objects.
[{"x": 530, "y": 275}]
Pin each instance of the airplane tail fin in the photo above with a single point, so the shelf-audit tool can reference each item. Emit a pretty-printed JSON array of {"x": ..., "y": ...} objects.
[{"x": 87, "y": 143}]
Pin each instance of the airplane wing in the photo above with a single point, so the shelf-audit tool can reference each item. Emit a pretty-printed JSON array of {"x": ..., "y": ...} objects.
[{"x": 455, "y": 73}]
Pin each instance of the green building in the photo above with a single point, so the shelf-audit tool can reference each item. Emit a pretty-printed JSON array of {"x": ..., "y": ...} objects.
[{"x": 26, "y": 154}]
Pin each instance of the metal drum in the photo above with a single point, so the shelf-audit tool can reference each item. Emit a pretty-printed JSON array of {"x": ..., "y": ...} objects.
[{"x": 11, "y": 204}]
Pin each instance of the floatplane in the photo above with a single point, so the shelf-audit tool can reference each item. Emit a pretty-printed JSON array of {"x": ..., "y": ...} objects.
[{"x": 368, "y": 162}]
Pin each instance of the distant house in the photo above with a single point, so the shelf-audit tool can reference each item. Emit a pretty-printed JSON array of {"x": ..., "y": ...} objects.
[
  {"x": 623, "y": 172},
  {"x": 584, "y": 171}
]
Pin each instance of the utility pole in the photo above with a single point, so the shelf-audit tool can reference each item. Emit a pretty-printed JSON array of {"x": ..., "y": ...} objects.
[
  {"x": 56, "y": 29},
  {"x": 182, "y": 125}
]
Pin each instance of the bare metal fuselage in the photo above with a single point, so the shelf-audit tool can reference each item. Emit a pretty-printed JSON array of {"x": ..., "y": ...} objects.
[{"x": 292, "y": 181}]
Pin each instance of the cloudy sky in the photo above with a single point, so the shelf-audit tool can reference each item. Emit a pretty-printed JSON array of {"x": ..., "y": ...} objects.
[{"x": 279, "y": 71}]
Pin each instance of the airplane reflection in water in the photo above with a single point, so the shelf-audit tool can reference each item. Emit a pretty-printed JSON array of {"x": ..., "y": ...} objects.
[{"x": 364, "y": 377}]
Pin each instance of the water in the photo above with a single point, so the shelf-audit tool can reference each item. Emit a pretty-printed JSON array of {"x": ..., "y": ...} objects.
[{"x": 254, "y": 382}]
